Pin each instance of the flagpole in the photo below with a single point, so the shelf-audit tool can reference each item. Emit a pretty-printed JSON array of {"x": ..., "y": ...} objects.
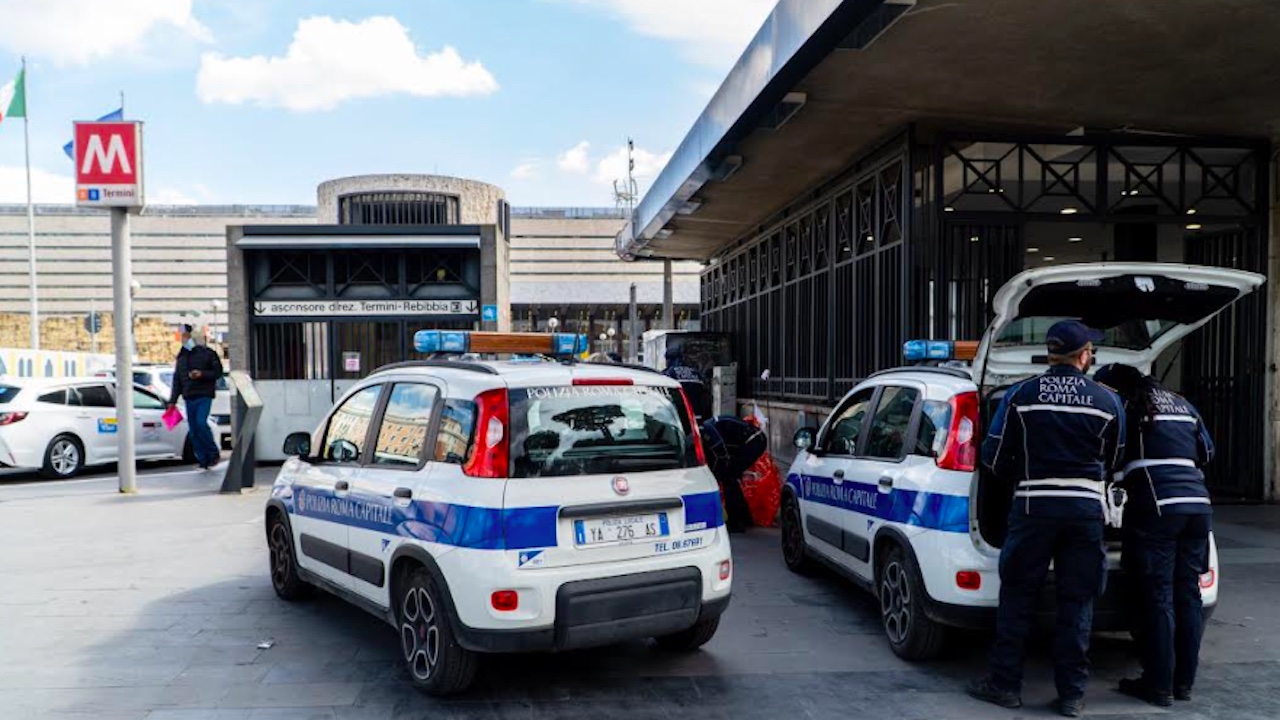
[{"x": 31, "y": 215}]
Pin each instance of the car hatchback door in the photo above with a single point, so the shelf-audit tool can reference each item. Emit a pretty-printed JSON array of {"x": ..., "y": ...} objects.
[{"x": 603, "y": 471}]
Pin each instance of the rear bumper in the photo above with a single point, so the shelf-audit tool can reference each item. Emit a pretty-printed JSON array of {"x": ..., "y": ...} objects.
[{"x": 592, "y": 613}]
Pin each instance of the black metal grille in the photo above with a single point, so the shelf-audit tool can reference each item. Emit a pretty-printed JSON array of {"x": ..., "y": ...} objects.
[
  {"x": 398, "y": 208},
  {"x": 317, "y": 350},
  {"x": 1224, "y": 368}
]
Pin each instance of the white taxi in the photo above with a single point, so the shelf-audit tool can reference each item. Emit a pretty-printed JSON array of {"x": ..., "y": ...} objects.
[{"x": 502, "y": 506}]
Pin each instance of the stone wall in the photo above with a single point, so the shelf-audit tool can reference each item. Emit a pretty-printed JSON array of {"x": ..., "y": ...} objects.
[
  {"x": 155, "y": 338},
  {"x": 477, "y": 201}
]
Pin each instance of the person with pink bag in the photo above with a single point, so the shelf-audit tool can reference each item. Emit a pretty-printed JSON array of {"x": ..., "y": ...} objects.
[{"x": 195, "y": 379}]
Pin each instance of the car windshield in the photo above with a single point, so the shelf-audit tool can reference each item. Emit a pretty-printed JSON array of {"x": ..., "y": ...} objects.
[
  {"x": 7, "y": 393},
  {"x": 593, "y": 430},
  {"x": 1128, "y": 335},
  {"x": 166, "y": 377}
]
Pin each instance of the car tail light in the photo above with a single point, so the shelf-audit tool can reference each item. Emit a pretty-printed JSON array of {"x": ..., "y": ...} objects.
[
  {"x": 969, "y": 580},
  {"x": 1208, "y": 579},
  {"x": 490, "y": 456},
  {"x": 505, "y": 600},
  {"x": 10, "y": 418},
  {"x": 961, "y": 450},
  {"x": 697, "y": 434},
  {"x": 603, "y": 381},
  {"x": 726, "y": 568}
]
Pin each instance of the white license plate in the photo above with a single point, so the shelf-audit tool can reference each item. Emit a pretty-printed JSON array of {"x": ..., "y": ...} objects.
[{"x": 620, "y": 529}]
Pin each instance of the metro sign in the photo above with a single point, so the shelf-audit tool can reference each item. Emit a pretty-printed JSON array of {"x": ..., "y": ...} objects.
[{"x": 108, "y": 159}]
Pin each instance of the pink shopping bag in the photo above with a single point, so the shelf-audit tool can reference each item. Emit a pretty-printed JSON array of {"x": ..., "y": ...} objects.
[{"x": 171, "y": 417}]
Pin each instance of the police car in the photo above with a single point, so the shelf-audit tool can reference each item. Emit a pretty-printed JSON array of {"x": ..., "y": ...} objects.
[
  {"x": 889, "y": 493},
  {"x": 503, "y": 506}
]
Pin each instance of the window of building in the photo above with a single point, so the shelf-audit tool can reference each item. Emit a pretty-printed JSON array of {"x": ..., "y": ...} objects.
[{"x": 398, "y": 208}]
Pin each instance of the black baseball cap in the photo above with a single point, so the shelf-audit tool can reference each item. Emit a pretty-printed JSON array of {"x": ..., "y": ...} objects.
[{"x": 1069, "y": 336}]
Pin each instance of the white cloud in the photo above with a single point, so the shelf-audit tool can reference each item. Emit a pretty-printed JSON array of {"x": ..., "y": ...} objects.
[
  {"x": 330, "y": 61},
  {"x": 74, "y": 32},
  {"x": 170, "y": 196},
  {"x": 713, "y": 32},
  {"x": 528, "y": 170},
  {"x": 614, "y": 165},
  {"x": 575, "y": 160},
  {"x": 46, "y": 187}
]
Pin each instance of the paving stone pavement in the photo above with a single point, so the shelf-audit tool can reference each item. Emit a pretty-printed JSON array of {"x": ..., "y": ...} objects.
[{"x": 153, "y": 607}]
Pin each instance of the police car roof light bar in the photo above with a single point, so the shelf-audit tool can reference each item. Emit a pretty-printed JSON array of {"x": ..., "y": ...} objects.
[
  {"x": 939, "y": 350},
  {"x": 463, "y": 341}
]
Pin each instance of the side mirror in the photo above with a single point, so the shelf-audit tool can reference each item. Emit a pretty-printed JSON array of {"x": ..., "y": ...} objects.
[
  {"x": 804, "y": 438},
  {"x": 298, "y": 445}
]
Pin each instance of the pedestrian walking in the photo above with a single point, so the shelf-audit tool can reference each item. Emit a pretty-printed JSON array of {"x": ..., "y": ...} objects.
[
  {"x": 1055, "y": 438},
  {"x": 1167, "y": 519},
  {"x": 195, "y": 378}
]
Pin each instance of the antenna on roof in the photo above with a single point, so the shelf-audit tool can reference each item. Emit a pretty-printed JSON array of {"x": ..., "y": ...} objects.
[{"x": 625, "y": 192}]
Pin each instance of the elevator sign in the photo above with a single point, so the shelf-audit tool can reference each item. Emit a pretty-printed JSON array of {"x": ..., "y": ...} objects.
[
  {"x": 363, "y": 308},
  {"x": 108, "y": 159}
]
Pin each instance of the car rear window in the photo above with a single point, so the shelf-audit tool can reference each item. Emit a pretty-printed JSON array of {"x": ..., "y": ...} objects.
[
  {"x": 7, "y": 393},
  {"x": 598, "y": 429}
]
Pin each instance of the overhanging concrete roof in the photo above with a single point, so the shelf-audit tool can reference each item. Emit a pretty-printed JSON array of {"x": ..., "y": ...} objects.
[{"x": 861, "y": 69}]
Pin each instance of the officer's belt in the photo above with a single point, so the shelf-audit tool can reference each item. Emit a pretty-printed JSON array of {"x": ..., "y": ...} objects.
[{"x": 1140, "y": 464}]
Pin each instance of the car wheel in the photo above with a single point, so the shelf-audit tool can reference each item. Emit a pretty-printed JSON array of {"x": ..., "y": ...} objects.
[
  {"x": 912, "y": 635},
  {"x": 64, "y": 458},
  {"x": 437, "y": 664},
  {"x": 692, "y": 639},
  {"x": 288, "y": 584},
  {"x": 794, "y": 552}
]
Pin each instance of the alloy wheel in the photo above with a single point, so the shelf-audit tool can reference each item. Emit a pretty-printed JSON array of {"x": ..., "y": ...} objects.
[
  {"x": 64, "y": 457},
  {"x": 419, "y": 633},
  {"x": 895, "y": 602},
  {"x": 281, "y": 555}
]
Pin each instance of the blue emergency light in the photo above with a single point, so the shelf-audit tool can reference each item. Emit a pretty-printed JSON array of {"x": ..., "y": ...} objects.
[
  {"x": 921, "y": 350},
  {"x": 462, "y": 341}
]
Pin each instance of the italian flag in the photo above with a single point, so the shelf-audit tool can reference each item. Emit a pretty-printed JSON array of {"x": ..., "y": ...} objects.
[{"x": 13, "y": 97}]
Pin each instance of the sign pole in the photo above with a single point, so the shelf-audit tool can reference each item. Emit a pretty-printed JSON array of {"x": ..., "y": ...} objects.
[{"x": 122, "y": 262}]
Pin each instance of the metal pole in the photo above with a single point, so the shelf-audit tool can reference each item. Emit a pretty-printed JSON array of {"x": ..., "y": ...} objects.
[
  {"x": 122, "y": 273},
  {"x": 632, "y": 339},
  {"x": 668, "y": 313},
  {"x": 93, "y": 336},
  {"x": 31, "y": 217}
]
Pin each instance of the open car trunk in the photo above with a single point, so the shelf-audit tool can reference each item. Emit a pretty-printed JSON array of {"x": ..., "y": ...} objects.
[{"x": 1142, "y": 309}]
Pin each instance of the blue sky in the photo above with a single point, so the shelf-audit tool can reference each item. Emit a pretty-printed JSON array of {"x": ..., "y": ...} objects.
[{"x": 257, "y": 101}]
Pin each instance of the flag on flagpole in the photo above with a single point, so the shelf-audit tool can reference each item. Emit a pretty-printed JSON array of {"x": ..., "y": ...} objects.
[
  {"x": 13, "y": 97},
  {"x": 112, "y": 116}
]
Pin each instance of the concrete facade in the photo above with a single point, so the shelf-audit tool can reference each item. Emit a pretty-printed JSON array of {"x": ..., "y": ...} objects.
[{"x": 477, "y": 201}]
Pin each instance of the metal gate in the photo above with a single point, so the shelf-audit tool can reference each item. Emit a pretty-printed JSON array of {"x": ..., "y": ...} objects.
[
  {"x": 975, "y": 260},
  {"x": 1224, "y": 368}
]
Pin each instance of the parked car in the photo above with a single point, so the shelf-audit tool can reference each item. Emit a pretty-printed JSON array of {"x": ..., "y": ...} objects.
[
  {"x": 889, "y": 492},
  {"x": 60, "y": 426},
  {"x": 158, "y": 379},
  {"x": 506, "y": 506}
]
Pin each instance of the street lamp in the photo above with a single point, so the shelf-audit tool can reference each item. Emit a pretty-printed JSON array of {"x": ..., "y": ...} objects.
[
  {"x": 217, "y": 308},
  {"x": 134, "y": 288},
  {"x": 553, "y": 323}
]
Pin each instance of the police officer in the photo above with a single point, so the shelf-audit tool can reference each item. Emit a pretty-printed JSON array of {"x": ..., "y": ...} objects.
[
  {"x": 1167, "y": 520},
  {"x": 695, "y": 389},
  {"x": 1056, "y": 438}
]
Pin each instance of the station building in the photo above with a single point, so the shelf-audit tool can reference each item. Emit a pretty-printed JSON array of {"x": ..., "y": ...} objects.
[{"x": 874, "y": 170}]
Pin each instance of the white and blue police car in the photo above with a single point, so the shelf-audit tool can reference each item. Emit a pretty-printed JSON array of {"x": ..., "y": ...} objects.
[
  {"x": 889, "y": 491},
  {"x": 511, "y": 505}
]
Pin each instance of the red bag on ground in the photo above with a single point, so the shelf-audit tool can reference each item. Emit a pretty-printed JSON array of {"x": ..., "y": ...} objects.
[{"x": 762, "y": 487}]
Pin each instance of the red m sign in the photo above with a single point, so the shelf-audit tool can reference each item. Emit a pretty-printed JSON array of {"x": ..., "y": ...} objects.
[{"x": 107, "y": 153}]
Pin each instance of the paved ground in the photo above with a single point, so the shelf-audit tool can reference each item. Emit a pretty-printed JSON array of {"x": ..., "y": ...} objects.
[{"x": 158, "y": 607}]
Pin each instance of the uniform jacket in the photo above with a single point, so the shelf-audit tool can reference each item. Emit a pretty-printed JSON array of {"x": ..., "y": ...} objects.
[
  {"x": 1057, "y": 438},
  {"x": 1163, "y": 461},
  {"x": 198, "y": 358}
]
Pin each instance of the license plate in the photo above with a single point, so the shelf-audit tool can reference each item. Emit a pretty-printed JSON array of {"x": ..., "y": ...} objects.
[{"x": 620, "y": 529}]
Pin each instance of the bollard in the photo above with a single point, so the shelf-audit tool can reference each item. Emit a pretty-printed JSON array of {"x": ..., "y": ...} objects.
[{"x": 246, "y": 409}]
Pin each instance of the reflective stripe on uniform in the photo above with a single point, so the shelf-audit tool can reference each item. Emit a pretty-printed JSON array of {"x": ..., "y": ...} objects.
[
  {"x": 1059, "y": 494},
  {"x": 1175, "y": 462},
  {"x": 1174, "y": 418},
  {"x": 1188, "y": 500},
  {"x": 1094, "y": 485},
  {"x": 1066, "y": 409}
]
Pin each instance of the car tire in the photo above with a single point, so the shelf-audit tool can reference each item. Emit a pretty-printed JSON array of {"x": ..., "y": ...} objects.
[
  {"x": 288, "y": 584},
  {"x": 436, "y": 663},
  {"x": 64, "y": 458},
  {"x": 911, "y": 633},
  {"x": 794, "y": 551},
  {"x": 692, "y": 639}
]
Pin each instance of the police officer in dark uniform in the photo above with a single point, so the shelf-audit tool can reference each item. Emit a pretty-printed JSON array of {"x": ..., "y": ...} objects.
[
  {"x": 691, "y": 380},
  {"x": 1056, "y": 439},
  {"x": 1167, "y": 519}
]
